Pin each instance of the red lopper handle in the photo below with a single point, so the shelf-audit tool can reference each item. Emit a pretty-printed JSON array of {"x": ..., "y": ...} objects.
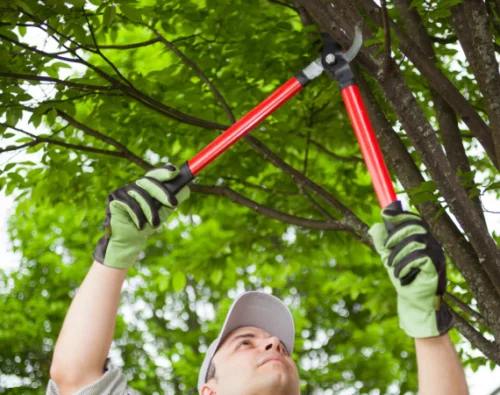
[
  {"x": 244, "y": 125},
  {"x": 369, "y": 146}
]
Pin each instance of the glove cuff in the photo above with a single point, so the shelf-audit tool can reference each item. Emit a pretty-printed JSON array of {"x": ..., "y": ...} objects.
[
  {"x": 422, "y": 320},
  {"x": 100, "y": 249}
]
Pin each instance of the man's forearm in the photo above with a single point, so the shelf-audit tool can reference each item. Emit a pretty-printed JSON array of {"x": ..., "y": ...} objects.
[
  {"x": 439, "y": 368},
  {"x": 87, "y": 332}
]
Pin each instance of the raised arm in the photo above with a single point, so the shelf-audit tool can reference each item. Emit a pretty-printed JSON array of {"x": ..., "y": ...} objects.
[
  {"x": 416, "y": 266},
  {"x": 439, "y": 368},
  {"x": 133, "y": 214},
  {"x": 87, "y": 332}
]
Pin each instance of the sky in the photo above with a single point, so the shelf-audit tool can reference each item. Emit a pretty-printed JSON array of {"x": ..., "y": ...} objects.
[{"x": 482, "y": 382}]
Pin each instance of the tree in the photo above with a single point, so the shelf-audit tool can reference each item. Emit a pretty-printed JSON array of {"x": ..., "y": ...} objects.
[{"x": 287, "y": 210}]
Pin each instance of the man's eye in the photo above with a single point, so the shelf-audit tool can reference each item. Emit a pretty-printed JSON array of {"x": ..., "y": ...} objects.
[{"x": 243, "y": 342}]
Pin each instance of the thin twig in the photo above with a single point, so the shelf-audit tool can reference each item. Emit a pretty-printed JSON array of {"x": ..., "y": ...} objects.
[
  {"x": 120, "y": 147},
  {"x": 104, "y": 57},
  {"x": 261, "y": 209},
  {"x": 188, "y": 62},
  {"x": 465, "y": 307}
]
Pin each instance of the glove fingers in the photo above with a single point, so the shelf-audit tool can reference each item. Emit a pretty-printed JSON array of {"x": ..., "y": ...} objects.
[
  {"x": 158, "y": 191},
  {"x": 397, "y": 217},
  {"x": 164, "y": 173},
  {"x": 147, "y": 205},
  {"x": 378, "y": 233},
  {"x": 404, "y": 230},
  {"x": 120, "y": 209},
  {"x": 416, "y": 259},
  {"x": 411, "y": 243}
]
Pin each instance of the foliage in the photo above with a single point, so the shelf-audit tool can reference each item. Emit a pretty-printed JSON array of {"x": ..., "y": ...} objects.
[{"x": 102, "y": 110}]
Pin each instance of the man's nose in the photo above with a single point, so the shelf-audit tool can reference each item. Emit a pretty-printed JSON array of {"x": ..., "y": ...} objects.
[{"x": 273, "y": 344}]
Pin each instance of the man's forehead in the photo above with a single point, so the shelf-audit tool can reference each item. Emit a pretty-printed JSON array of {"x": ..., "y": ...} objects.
[{"x": 246, "y": 329}]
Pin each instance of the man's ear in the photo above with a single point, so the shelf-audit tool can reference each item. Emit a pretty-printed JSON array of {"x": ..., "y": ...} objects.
[{"x": 208, "y": 389}]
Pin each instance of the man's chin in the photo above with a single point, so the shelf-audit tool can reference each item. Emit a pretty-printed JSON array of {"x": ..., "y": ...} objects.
[{"x": 277, "y": 378}]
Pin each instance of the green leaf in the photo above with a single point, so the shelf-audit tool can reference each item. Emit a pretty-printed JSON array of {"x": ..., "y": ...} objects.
[
  {"x": 24, "y": 7},
  {"x": 24, "y": 140},
  {"x": 79, "y": 32},
  {"x": 96, "y": 2},
  {"x": 109, "y": 15},
  {"x": 22, "y": 30},
  {"x": 8, "y": 167},
  {"x": 51, "y": 116},
  {"x": 35, "y": 119},
  {"x": 216, "y": 276},
  {"x": 179, "y": 281},
  {"x": 131, "y": 13}
]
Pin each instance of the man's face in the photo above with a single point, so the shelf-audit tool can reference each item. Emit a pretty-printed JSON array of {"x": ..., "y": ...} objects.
[{"x": 251, "y": 361}]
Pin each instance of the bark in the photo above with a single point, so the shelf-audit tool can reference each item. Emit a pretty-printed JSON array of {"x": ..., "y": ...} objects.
[
  {"x": 445, "y": 114},
  {"x": 475, "y": 32},
  {"x": 424, "y": 140},
  {"x": 436, "y": 80},
  {"x": 339, "y": 19}
]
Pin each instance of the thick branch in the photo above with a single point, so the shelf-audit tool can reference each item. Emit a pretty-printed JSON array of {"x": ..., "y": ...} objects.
[
  {"x": 435, "y": 78},
  {"x": 425, "y": 141},
  {"x": 447, "y": 119},
  {"x": 472, "y": 23}
]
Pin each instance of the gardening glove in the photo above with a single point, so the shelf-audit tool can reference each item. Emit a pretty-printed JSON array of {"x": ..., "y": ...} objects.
[
  {"x": 133, "y": 214},
  {"x": 417, "y": 267}
]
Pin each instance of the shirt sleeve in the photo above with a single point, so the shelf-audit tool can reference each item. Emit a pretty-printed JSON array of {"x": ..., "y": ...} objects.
[{"x": 113, "y": 382}]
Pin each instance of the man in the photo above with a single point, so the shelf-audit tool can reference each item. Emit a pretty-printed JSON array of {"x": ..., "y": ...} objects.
[{"x": 252, "y": 354}]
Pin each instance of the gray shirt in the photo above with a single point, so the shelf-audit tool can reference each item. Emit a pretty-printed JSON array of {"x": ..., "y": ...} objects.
[{"x": 113, "y": 382}]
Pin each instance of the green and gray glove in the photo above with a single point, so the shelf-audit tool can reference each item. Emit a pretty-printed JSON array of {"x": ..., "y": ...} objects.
[
  {"x": 417, "y": 267},
  {"x": 133, "y": 214}
]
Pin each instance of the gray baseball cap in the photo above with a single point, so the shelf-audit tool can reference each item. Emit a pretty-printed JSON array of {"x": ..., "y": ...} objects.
[{"x": 253, "y": 309}]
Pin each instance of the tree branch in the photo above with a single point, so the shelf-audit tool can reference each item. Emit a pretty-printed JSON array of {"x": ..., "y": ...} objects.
[
  {"x": 188, "y": 62},
  {"x": 465, "y": 308},
  {"x": 38, "y": 139},
  {"x": 447, "y": 119},
  {"x": 261, "y": 209},
  {"x": 120, "y": 147},
  {"x": 436, "y": 79},
  {"x": 283, "y": 4},
  {"x": 104, "y": 57},
  {"x": 131, "y": 46},
  {"x": 387, "y": 30},
  {"x": 350, "y": 219},
  {"x": 490, "y": 349},
  {"x": 425, "y": 141},
  {"x": 477, "y": 21},
  {"x": 321, "y": 147},
  {"x": 30, "y": 77}
]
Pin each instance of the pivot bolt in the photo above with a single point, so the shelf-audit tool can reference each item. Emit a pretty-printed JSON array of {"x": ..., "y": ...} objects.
[{"x": 330, "y": 58}]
